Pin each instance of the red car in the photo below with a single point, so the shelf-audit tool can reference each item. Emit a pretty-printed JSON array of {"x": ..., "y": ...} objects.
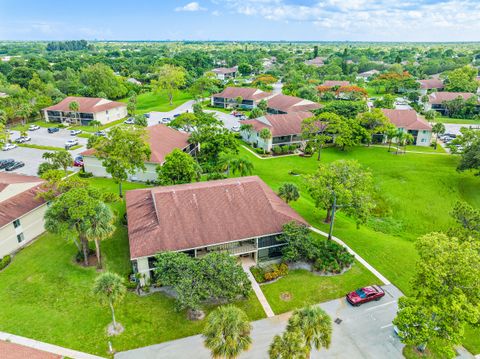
[
  {"x": 364, "y": 295},
  {"x": 78, "y": 161}
]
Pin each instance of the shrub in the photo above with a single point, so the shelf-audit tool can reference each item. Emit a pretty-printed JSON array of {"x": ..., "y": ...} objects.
[
  {"x": 277, "y": 150},
  {"x": 270, "y": 272},
  {"x": 259, "y": 151},
  {"x": 5, "y": 261},
  {"x": 285, "y": 149},
  {"x": 110, "y": 197},
  {"x": 215, "y": 176},
  {"x": 85, "y": 174}
]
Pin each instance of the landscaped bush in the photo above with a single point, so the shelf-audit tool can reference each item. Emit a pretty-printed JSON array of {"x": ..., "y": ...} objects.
[
  {"x": 82, "y": 174},
  {"x": 331, "y": 258},
  {"x": 110, "y": 197},
  {"x": 259, "y": 151},
  {"x": 5, "y": 261},
  {"x": 277, "y": 150},
  {"x": 270, "y": 272},
  {"x": 215, "y": 176}
]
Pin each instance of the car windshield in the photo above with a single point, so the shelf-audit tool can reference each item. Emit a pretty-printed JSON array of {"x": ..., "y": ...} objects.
[{"x": 360, "y": 293}]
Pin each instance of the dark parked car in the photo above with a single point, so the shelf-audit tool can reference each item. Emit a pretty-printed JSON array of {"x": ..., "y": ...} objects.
[
  {"x": 5, "y": 163},
  {"x": 14, "y": 166},
  {"x": 146, "y": 115},
  {"x": 53, "y": 129},
  {"x": 78, "y": 162},
  {"x": 22, "y": 139},
  {"x": 365, "y": 295}
]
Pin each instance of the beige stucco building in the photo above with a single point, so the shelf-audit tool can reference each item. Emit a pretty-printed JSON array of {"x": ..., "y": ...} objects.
[{"x": 21, "y": 212}]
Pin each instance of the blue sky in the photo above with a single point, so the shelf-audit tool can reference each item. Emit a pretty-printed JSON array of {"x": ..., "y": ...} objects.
[{"x": 289, "y": 20}]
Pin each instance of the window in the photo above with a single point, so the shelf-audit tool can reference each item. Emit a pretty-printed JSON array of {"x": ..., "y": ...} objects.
[
  {"x": 16, "y": 223},
  {"x": 424, "y": 140},
  {"x": 20, "y": 238}
]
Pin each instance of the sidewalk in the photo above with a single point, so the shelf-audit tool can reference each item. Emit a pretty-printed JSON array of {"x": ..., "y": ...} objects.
[
  {"x": 258, "y": 291},
  {"x": 49, "y": 348}
]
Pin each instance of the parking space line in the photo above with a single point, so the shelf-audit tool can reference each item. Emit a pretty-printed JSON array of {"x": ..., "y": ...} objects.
[
  {"x": 381, "y": 305},
  {"x": 387, "y": 326}
]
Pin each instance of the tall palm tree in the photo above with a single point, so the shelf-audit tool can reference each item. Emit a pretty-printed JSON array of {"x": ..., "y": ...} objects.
[
  {"x": 227, "y": 332},
  {"x": 110, "y": 290},
  {"x": 101, "y": 228},
  {"x": 74, "y": 107},
  {"x": 390, "y": 134},
  {"x": 438, "y": 129},
  {"x": 289, "y": 192},
  {"x": 242, "y": 166},
  {"x": 315, "y": 326},
  {"x": 290, "y": 345},
  {"x": 265, "y": 135}
]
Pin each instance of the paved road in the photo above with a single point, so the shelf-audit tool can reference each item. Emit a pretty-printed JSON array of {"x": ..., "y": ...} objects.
[
  {"x": 42, "y": 137},
  {"x": 455, "y": 129},
  {"x": 364, "y": 332}
]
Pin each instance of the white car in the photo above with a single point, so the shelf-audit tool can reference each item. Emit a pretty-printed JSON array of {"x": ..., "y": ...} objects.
[
  {"x": 72, "y": 142},
  {"x": 34, "y": 127},
  {"x": 236, "y": 128},
  {"x": 75, "y": 132},
  {"x": 9, "y": 146},
  {"x": 129, "y": 121}
]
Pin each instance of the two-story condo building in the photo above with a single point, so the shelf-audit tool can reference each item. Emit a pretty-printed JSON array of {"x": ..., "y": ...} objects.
[
  {"x": 225, "y": 73},
  {"x": 89, "y": 109},
  {"x": 436, "y": 100},
  {"x": 409, "y": 121}
]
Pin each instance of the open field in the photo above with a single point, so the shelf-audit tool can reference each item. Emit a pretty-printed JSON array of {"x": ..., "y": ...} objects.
[{"x": 151, "y": 101}]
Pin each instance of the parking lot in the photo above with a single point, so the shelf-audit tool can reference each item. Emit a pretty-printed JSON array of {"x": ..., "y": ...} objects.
[{"x": 361, "y": 332}]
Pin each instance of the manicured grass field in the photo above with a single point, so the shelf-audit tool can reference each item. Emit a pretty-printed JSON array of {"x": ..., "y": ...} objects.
[
  {"x": 460, "y": 121},
  {"x": 151, "y": 101},
  {"x": 97, "y": 128},
  {"x": 40, "y": 123},
  {"x": 307, "y": 288},
  {"x": 46, "y": 296},
  {"x": 41, "y": 147}
]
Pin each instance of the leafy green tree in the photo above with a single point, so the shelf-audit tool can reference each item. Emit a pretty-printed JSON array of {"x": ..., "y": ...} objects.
[
  {"x": 462, "y": 79},
  {"x": 179, "y": 167},
  {"x": 227, "y": 332},
  {"x": 347, "y": 109},
  {"x": 470, "y": 156},
  {"x": 132, "y": 105},
  {"x": 239, "y": 101},
  {"x": 99, "y": 80},
  {"x": 256, "y": 113},
  {"x": 438, "y": 129},
  {"x": 205, "y": 85},
  {"x": 315, "y": 326},
  {"x": 169, "y": 78},
  {"x": 316, "y": 130},
  {"x": 289, "y": 345},
  {"x": 387, "y": 101},
  {"x": 431, "y": 114},
  {"x": 245, "y": 69},
  {"x": 141, "y": 121},
  {"x": 265, "y": 135},
  {"x": 262, "y": 105},
  {"x": 56, "y": 183},
  {"x": 342, "y": 185},
  {"x": 468, "y": 218},
  {"x": 110, "y": 290},
  {"x": 289, "y": 192},
  {"x": 298, "y": 241},
  {"x": 375, "y": 122},
  {"x": 445, "y": 294},
  {"x": 59, "y": 159},
  {"x": 123, "y": 151}
]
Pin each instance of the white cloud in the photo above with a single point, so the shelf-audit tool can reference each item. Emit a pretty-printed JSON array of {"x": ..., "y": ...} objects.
[
  {"x": 216, "y": 13},
  {"x": 191, "y": 6}
]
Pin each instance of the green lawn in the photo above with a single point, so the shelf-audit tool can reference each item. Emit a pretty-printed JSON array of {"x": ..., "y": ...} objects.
[
  {"x": 46, "y": 296},
  {"x": 96, "y": 128},
  {"x": 41, "y": 147},
  {"x": 460, "y": 121},
  {"x": 307, "y": 288},
  {"x": 151, "y": 101},
  {"x": 430, "y": 149},
  {"x": 415, "y": 195},
  {"x": 40, "y": 123}
]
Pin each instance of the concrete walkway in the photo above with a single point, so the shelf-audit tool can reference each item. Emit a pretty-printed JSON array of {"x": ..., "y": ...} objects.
[
  {"x": 357, "y": 257},
  {"x": 50, "y": 348},
  {"x": 267, "y": 158},
  {"x": 258, "y": 291}
]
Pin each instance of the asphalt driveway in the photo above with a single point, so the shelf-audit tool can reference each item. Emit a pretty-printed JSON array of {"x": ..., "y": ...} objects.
[{"x": 362, "y": 332}]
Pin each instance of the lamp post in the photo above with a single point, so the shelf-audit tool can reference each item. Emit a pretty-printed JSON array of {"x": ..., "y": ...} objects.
[{"x": 332, "y": 217}]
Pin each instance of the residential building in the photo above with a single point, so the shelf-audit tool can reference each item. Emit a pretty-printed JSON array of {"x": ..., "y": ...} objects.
[
  {"x": 162, "y": 140},
  {"x": 429, "y": 85},
  {"x": 21, "y": 212},
  {"x": 3, "y": 95},
  {"x": 240, "y": 216},
  {"x": 225, "y": 73},
  {"x": 410, "y": 121},
  {"x": 286, "y": 129},
  {"x": 282, "y": 104},
  {"x": 333, "y": 83},
  {"x": 134, "y": 81},
  {"x": 90, "y": 108},
  {"x": 317, "y": 61},
  {"x": 250, "y": 97},
  {"x": 436, "y": 100},
  {"x": 367, "y": 75}
]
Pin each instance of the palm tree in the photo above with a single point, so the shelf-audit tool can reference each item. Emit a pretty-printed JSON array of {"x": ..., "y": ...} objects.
[
  {"x": 290, "y": 345},
  {"x": 74, "y": 107},
  {"x": 110, "y": 290},
  {"x": 289, "y": 192},
  {"x": 101, "y": 228},
  {"x": 241, "y": 165},
  {"x": 390, "y": 134},
  {"x": 227, "y": 332},
  {"x": 265, "y": 135},
  {"x": 24, "y": 112},
  {"x": 438, "y": 129},
  {"x": 400, "y": 136},
  {"x": 315, "y": 326}
]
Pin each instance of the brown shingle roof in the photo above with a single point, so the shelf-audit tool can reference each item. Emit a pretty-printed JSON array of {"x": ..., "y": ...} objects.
[
  {"x": 317, "y": 61},
  {"x": 19, "y": 204},
  {"x": 286, "y": 103},
  {"x": 437, "y": 98},
  {"x": 162, "y": 140},
  {"x": 332, "y": 83},
  {"x": 16, "y": 351},
  {"x": 247, "y": 93},
  {"x": 280, "y": 125},
  {"x": 431, "y": 84},
  {"x": 407, "y": 119},
  {"x": 86, "y": 104},
  {"x": 201, "y": 214},
  {"x": 225, "y": 70}
]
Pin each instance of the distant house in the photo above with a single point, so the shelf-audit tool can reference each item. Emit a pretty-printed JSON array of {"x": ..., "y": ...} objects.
[
  {"x": 162, "y": 140},
  {"x": 90, "y": 108},
  {"x": 21, "y": 212},
  {"x": 240, "y": 216},
  {"x": 225, "y": 73},
  {"x": 250, "y": 97},
  {"x": 332, "y": 83},
  {"x": 436, "y": 100},
  {"x": 317, "y": 61},
  {"x": 367, "y": 74},
  {"x": 3, "y": 95},
  {"x": 286, "y": 129},
  {"x": 409, "y": 121},
  {"x": 430, "y": 84},
  {"x": 134, "y": 81},
  {"x": 282, "y": 104}
]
